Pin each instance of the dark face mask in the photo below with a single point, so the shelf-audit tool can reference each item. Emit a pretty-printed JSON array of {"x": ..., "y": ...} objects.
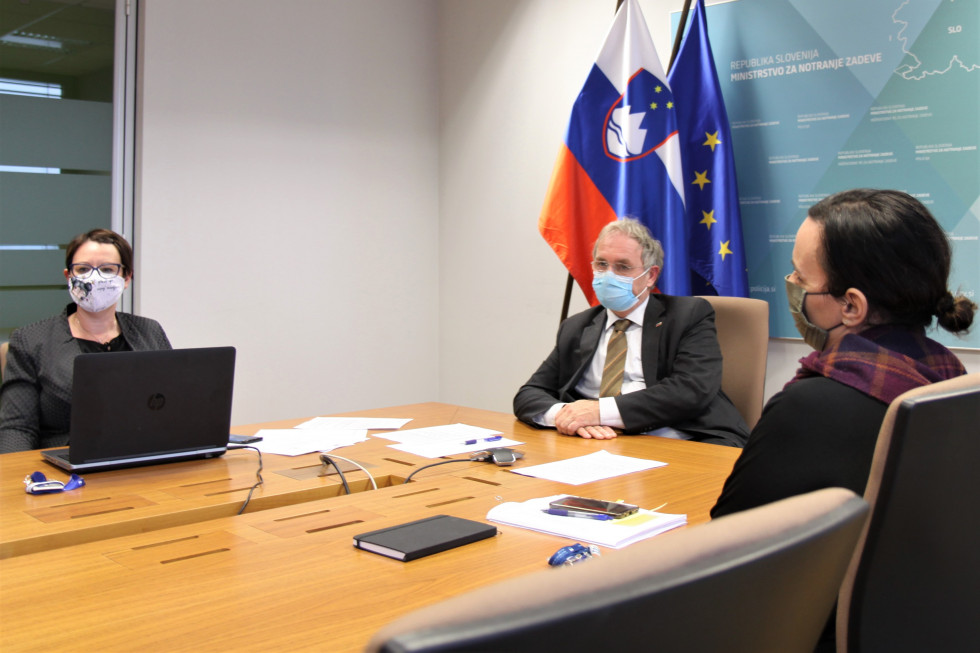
[{"x": 813, "y": 335}]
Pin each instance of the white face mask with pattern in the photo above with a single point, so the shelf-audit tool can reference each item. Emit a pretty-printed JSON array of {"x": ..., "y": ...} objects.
[{"x": 96, "y": 294}]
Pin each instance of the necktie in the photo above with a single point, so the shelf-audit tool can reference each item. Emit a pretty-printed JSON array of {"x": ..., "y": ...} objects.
[{"x": 612, "y": 372}]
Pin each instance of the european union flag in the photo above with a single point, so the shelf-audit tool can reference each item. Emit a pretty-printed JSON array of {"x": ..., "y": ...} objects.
[{"x": 716, "y": 253}]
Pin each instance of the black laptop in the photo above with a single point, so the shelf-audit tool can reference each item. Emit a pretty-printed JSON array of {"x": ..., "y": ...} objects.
[{"x": 148, "y": 407}]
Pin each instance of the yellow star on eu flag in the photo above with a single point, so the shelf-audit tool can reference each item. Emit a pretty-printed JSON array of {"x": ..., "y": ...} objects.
[
  {"x": 653, "y": 105},
  {"x": 724, "y": 249},
  {"x": 701, "y": 178},
  {"x": 709, "y": 218},
  {"x": 712, "y": 140},
  {"x": 658, "y": 88}
]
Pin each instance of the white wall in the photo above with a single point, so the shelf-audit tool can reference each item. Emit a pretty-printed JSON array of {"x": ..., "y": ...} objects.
[
  {"x": 288, "y": 196},
  {"x": 379, "y": 161}
]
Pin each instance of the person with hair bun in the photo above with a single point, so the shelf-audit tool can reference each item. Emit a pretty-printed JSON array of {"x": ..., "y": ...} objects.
[
  {"x": 35, "y": 399},
  {"x": 870, "y": 272}
]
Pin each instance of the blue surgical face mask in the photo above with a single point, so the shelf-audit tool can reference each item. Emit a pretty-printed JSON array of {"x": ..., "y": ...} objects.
[{"x": 615, "y": 292}]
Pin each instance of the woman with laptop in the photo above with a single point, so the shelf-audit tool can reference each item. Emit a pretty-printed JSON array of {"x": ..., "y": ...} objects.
[{"x": 35, "y": 399}]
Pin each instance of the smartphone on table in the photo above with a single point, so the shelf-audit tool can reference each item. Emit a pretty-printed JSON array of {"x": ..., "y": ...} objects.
[{"x": 595, "y": 506}]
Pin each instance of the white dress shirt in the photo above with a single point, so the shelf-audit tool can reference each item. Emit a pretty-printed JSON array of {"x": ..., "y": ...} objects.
[{"x": 588, "y": 385}]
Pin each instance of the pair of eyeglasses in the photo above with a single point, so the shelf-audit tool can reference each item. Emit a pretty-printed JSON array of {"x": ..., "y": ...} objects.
[
  {"x": 106, "y": 270},
  {"x": 618, "y": 268}
]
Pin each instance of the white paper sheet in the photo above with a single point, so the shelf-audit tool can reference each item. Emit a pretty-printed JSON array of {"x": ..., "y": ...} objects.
[
  {"x": 296, "y": 442},
  {"x": 447, "y": 440},
  {"x": 586, "y": 469},
  {"x": 356, "y": 423}
]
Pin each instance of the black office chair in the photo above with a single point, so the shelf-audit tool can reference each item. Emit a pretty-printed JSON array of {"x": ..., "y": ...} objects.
[
  {"x": 761, "y": 580},
  {"x": 914, "y": 583}
]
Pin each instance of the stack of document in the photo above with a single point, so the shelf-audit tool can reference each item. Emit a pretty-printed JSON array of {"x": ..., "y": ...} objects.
[
  {"x": 615, "y": 533},
  {"x": 447, "y": 440},
  {"x": 323, "y": 434}
]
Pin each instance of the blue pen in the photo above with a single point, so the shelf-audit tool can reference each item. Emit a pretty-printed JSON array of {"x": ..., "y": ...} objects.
[
  {"x": 574, "y": 513},
  {"x": 493, "y": 439}
]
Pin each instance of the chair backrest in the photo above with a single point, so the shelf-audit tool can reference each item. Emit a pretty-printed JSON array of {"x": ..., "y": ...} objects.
[
  {"x": 743, "y": 334},
  {"x": 760, "y": 580},
  {"x": 914, "y": 582}
]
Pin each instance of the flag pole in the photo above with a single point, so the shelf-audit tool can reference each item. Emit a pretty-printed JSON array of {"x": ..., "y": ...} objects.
[
  {"x": 568, "y": 298},
  {"x": 680, "y": 33}
]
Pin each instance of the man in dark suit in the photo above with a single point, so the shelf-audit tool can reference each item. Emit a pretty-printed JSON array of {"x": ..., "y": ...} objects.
[{"x": 663, "y": 374}]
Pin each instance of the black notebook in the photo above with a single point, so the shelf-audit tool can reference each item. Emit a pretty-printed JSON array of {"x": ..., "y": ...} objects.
[{"x": 423, "y": 537}]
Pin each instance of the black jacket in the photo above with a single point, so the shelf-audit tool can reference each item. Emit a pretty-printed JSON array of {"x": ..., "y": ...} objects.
[
  {"x": 816, "y": 433},
  {"x": 35, "y": 399},
  {"x": 681, "y": 364}
]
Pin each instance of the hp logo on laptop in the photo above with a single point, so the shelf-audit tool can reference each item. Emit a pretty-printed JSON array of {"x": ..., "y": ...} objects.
[{"x": 156, "y": 401}]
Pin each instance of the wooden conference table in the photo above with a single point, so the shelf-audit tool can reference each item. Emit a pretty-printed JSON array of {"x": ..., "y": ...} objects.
[{"x": 168, "y": 565}]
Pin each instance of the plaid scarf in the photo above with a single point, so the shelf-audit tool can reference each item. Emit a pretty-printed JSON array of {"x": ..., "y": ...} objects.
[{"x": 883, "y": 362}]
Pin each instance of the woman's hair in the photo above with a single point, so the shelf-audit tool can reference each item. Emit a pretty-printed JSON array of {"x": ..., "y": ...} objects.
[
  {"x": 107, "y": 237},
  {"x": 886, "y": 244}
]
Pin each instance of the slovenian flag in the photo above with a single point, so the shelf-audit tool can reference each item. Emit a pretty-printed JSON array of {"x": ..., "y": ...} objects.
[
  {"x": 621, "y": 158},
  {"x": 716, "y": 252}
]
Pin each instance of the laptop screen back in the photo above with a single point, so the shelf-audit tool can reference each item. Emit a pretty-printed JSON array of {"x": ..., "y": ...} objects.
[{"x": 131, "y": 404}]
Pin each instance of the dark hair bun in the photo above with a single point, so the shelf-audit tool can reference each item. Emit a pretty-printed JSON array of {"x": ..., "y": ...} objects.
[{"x": 955, "y": 314}]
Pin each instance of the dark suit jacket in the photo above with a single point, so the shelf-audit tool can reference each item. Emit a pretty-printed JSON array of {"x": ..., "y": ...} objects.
[
  {"x": 35, "y": 399},
  {"x": 681, "y": 364}
]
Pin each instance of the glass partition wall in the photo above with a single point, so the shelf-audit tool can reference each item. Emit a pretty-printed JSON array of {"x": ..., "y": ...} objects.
[{"x": 65, "y": 142}]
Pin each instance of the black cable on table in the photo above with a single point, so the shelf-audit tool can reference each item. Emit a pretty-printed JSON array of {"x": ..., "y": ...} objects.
[
  {"x": 258, "y": 472},
  {"x": 444, "y": 462},
  {"x": 327, "y": 460}
]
